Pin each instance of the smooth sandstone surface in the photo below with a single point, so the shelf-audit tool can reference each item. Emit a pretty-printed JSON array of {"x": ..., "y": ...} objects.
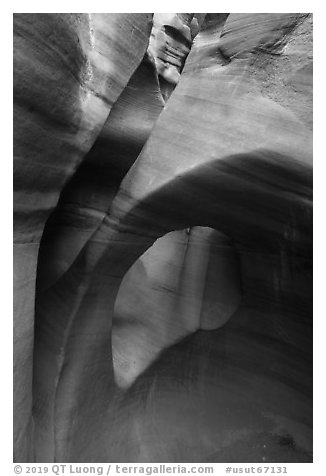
[
  {"x": 173, "y": 317},
  {"x": 66, "y": 78}
]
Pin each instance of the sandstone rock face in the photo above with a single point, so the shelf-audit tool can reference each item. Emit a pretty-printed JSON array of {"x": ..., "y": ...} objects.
[
  {"x": 68, "y": 72},
  {"x": 163, "y": 237}
]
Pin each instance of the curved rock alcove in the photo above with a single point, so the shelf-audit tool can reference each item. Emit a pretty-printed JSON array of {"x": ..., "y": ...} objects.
[{"x": 163, "y": 237}]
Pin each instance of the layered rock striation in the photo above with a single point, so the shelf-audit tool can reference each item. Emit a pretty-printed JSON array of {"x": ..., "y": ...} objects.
[{"x": 163, "y": 237}]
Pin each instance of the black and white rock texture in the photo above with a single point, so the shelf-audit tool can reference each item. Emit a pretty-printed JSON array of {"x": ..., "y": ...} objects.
[{"x": 163, "y": 237}]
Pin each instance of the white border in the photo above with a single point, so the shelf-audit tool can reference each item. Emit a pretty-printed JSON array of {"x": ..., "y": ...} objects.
[{"x": 318, "y": 467}]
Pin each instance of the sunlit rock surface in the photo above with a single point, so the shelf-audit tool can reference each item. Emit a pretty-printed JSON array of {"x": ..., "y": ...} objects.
[
  {"x": 69, "y": 70},
  {"x": 163, "y": 227},
  {"x": 186, "y": 281}
]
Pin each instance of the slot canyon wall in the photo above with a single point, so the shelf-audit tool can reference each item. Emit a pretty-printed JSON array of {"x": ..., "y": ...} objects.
[{"x": 163, "y": 237}]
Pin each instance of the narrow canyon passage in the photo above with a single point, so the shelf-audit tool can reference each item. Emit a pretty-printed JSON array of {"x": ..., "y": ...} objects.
[{"x": 163, "y": 247}]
